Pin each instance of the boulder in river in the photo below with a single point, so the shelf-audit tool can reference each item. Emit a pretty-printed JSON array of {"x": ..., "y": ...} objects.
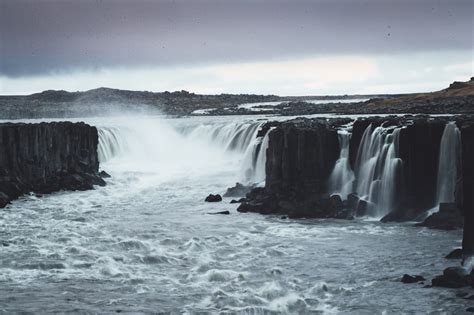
[
  {"x": 213, "y": 198},
  {"x": 454, "y": 277},
  {"x": 412, "y": 279}
]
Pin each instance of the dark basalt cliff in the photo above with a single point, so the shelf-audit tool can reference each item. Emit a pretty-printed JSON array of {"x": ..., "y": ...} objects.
[
  {"x": 302, "y": 153},
  {"x": 300, "y": 157},
  {"x": 47, "y": 157},
  {"x": 467, "y": 135}
]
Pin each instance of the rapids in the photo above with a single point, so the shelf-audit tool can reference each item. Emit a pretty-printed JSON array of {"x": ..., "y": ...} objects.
[{"x": 145, "y": 243}]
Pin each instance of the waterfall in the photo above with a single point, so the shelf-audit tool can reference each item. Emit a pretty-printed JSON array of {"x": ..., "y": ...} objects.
[
  {"x": 235, "y": 136},
  {"x": 378, "y": 168},
  {"x": 255, "y": 157},
  {"x": 448, "y": 165},
  {"x": 161, "y": 147},
  {"x": 342, "y": 177},
  {"x": 111, "y": 143}
]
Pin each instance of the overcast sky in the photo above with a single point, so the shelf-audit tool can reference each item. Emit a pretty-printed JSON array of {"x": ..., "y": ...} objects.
[{"x": 215, "y": 46}]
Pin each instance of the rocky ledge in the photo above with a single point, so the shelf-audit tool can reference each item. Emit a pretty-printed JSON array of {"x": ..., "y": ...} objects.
[{"x": 47, "y": 157}]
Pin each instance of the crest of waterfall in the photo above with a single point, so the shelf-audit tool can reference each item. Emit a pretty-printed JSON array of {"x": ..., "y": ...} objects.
[
  {"x": 111, "y": 143},
  {"x": 448, "y": 165},
  {"x": 157, "y": 145},
  {"x": 341, "y": 180},
  {"x": 236, "y": 136},
  {"x": 255, "y": 157},
  {"x": 378, "y": 169}
]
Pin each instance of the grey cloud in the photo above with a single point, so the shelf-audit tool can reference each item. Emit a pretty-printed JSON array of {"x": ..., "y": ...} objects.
[{"x": 39, "y": 37}]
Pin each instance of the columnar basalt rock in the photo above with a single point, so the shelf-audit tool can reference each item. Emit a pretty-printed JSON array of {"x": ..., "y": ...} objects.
[
  {"x": 302, "y": 152},
  {"x": 300, "y": 157},
  {"x": 467, "y": 136},
  {"x": 47, "y": 157}
]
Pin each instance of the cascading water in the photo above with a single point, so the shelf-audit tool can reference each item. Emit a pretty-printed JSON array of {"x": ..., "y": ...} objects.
[
  {"x": 111, "y": 143},
  {"x": 378, "y": 169},
  {"x": 448, "y": 165},
  {"x": 253, "y": 165},
  {"x": 159, "y": 146},
  {"x": 229, "y": 136},
  {"x": 342, "y": 177}
]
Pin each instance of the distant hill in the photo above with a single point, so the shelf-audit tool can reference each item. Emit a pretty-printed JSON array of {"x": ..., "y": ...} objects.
[{"x": 457, "y": 98}]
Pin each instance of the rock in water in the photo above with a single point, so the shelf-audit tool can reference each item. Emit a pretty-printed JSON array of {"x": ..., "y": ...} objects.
[
  {"x": 447, "y": 218},
  {"x": 455, "y": 254},
  {"x": 238, "y": 190},
  {"x": 412, "y": 279},
  {"x": 453, "y": 277},
  {"x": 213, "y": 198},
  {"x": 220, "y": 212}
]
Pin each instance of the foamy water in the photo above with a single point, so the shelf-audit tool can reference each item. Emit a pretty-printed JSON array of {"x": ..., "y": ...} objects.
[{"x": 146, "y": 243}]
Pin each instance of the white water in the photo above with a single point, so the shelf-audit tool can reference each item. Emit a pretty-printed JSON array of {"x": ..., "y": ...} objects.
[
  {"x": 378, "y": 169},
  {"x": 449, "y": 163},
  {"x": 145, "y": 243},
  {"x": 342, "y": 177}
]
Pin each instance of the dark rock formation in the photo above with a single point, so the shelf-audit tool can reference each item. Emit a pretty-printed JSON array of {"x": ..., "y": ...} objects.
[
  {"x": 213, "y": 198},
  {"x": 447, "y": 218},
  {"x": 300, "y": 157},
  {"x": 467, "y": 135},
  {"x": 47, "y": 157},
  {"x": 412, "y": 279},
  {"x": 455, "y": 254},
  {"x": 454, "y": 277},
  {"x": 220, "y": 212},
  {"x": 238, "y": 190}
]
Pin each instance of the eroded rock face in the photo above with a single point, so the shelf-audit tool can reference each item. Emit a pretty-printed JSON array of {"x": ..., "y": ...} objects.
[
  {"x": 47, "y": 157},
  {"x": 300, "y": 157},
  {"x": 467, "y": 135},
  {"x": 302, "y": 154}
]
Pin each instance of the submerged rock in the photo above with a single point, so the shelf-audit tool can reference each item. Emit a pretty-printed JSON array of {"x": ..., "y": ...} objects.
[
  {"x": 412, "y": 279},
  {"x": 213, "y": 198},
  {"x": 220, "y": 212},
  {"x": 239, "y": 201}
]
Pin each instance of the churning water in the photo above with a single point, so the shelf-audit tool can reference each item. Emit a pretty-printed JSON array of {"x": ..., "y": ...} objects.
[{"x": 146, "y": 243}]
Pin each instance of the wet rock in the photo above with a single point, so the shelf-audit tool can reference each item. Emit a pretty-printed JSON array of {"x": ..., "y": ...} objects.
[
  {"x": 220, "y": 212},
  {"x": 4, "y": 199},
  {"x": 455, "y": 254},
  {"x": 412, "y": 279},
  {"x": 239, "y": 201},
  {"x": 238, "y": 190},
  {"x": 213, "y": 198},
  {"x": 335, "y": 203},
  {"x": 470, "y": 310},
  {"x": 104, "y": 174},
  {"x": 453, "y": 277},
  {"x": 447, "y": 218},
  {"x": 362, "y": 208}
]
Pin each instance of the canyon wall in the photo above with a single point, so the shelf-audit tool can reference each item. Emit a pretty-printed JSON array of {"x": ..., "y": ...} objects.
[{"x": 47, "y": 157}]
